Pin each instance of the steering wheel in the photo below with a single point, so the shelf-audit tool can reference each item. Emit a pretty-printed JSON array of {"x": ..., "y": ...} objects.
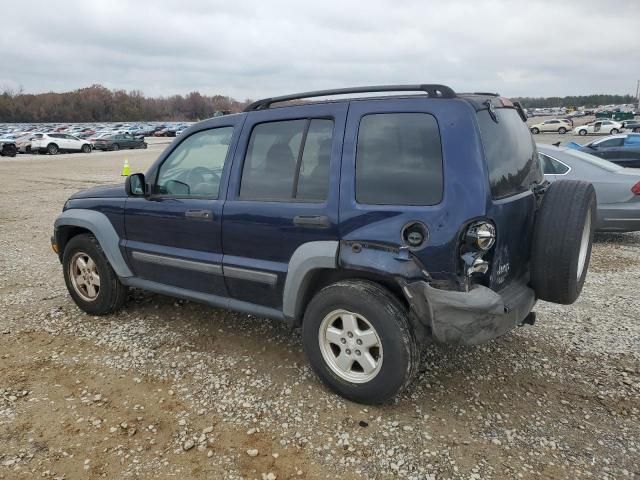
[{"x": 199, "y": 174}]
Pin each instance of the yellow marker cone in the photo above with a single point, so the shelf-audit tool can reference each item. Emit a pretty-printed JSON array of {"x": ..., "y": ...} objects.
[{"x": 126, "y": 170}]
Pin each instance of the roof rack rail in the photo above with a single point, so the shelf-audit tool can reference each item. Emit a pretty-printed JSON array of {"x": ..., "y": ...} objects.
[
  {"x": 433, "y": 90},
  {"x": 489, "y": 94}
]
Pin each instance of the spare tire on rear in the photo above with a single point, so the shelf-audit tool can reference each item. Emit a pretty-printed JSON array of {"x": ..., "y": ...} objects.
[{"x": 562, "y": 240}]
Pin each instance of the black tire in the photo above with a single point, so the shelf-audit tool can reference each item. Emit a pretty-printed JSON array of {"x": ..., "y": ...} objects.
[
  {"x": 144, "y": 145},
  {"x": 115, "y": 147},
  {"x": 400, "y": 351},
  {"x": 614, "y": 131},
  {"x": 582, "y": 132},
  {"x": 52, "y": 149},
  {"x": 112, "y": 294},
  {"x": 535, "y": 131},
  {"x": 636, "y": 130},
  {"x": 561, "y": 231},
  {"x": 562, "y": 130},
  {"x": 86, "y": 148}
]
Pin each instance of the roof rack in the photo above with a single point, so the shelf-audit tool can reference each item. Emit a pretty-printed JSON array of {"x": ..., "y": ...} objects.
[{"x": 433, "y": 90}]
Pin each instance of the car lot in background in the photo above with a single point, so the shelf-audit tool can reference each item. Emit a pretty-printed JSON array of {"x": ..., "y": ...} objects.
[
  {"x": 599, "y": 127},
  {"x": 617, "y": 188},
  {"x": 119, "y": 141}
]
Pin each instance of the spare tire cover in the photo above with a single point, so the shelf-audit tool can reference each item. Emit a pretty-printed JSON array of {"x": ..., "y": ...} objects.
[{"x": 562, "y": 239}]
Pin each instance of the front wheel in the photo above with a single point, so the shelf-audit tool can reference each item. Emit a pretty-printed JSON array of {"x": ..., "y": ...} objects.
[
  {"x": 86, "y": 148},
  {"x": 582, "y": 132},
  {"x": 115, "y": 147},
  {"x": 91, "y": 281},
  {"x": 359, "y": 341},
  {"x": 535, "y": 131},
  {"x": 562, "y": 130},
  {"x": 614, "y": 131}
]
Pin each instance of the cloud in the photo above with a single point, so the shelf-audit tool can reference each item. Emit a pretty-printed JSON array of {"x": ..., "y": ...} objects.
[{"x": 250, "y": 49}]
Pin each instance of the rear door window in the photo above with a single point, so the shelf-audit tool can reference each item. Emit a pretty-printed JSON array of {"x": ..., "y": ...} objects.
[
  {"x": 288, "y": 161},
  {"x": 510, "y": 152},
  {"x": 399, "y": 160}
]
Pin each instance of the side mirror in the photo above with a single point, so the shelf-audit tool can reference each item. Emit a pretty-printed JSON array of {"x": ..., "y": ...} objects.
[
  {"x": 593, "y": 146},
  {"x": 135, "y": 185}
]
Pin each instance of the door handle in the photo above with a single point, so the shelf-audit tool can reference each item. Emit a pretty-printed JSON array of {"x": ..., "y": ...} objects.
[
  {"x": 199, "y": 214},
  {"x": 312, "y": 221}
]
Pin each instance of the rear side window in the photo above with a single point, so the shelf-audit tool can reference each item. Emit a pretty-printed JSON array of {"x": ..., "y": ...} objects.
[
  {"x": 509, "y": 151},
  {"x": 612, "y": 142},
  {"x": 551, "y": 166},
  {"x": 288, "y": 160},
  {"x": 399, "y": 160}
]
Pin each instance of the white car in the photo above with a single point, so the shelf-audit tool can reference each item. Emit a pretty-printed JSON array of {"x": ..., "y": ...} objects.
[
  {"x": 599, "y": 127},
  {"x": 53, "y": 143},
  {"x": 553, "y": 125}
]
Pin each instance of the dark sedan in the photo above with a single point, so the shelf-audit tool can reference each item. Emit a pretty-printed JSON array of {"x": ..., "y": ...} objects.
[
  {"x": 118, "y": 141},
  {"x": 632, "y": 125},
  {"x": 622, "y": 149}
]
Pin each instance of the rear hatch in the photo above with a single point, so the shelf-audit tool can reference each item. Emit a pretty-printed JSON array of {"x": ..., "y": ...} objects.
[{"x": 513, "y": 170}]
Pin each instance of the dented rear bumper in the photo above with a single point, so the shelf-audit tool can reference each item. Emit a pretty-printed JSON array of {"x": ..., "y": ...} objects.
[{"x": 473, "y": 317}]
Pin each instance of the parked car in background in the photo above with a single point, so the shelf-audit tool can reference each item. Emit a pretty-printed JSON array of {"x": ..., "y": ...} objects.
[
  {"x": 8, "y": 147},
  {"x": 53, "y": 143},
  {"x": 599, "y": 127},
  {"x": 118, "y": 141},
  {"x": 554, "y": 125},
  {"x": 622, "y": 149},
  {"x": 23, "y": 143},
  {"x": 617, "y": 188},
  {"x": 632, "y": 125}
]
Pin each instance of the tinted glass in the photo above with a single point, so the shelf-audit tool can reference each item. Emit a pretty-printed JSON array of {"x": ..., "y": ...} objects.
[
  {"x": 612, "y": 142},
  {"x": 270, "y": 163},
  {"x": 399, "y": 160},
  {"x": 551, "y": 166},
  {"x": 313, "y": 181},
  {"x": 195, "y": 166},
  {"x": 510, "y": 152}
]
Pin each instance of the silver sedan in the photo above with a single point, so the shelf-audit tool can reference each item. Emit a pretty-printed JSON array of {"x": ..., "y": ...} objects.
[{"x": 617, "y": 188}]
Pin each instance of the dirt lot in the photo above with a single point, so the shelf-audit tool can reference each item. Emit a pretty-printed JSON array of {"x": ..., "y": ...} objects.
[{"x": 172, "y": 389}]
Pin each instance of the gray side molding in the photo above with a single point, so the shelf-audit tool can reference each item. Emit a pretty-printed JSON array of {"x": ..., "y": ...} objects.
[
  {"x": 307, "y": 257},
  {"x": 98, "y": 224}
]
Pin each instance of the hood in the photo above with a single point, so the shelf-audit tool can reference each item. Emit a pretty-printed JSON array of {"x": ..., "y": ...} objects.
[{"x": 103, "y": 191}]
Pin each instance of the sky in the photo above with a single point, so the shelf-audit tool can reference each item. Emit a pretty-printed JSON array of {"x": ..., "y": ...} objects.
[{"x": 252, "y": 49}]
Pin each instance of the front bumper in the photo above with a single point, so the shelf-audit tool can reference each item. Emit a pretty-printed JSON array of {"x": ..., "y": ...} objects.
[{"x": 473, "y": 317}]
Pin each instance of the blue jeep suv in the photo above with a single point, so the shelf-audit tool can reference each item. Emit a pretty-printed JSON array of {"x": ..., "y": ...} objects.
[{"x": 377, "y": 224}]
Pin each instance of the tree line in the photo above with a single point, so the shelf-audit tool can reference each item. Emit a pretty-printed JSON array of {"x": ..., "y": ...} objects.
[
  {"x": 588, "y": 101},
  {"x": 99, "y": 104}
]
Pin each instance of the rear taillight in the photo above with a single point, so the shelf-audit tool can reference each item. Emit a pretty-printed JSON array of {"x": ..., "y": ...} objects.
[{"x": 636, "y": 189}]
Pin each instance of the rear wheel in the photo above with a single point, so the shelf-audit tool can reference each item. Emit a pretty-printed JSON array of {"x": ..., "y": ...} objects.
[
  {"x": 115, "y": 147},
  {"x": 91, "y": 281},
  {"x": 52, "y": 149},
  {"x": 614, "y": 131},
  {"x": 86, "y": 148},
  {"x": 582, "y": 132},
  {"x": 562, "y": 239},
  {"x": 535, "y": 130},
  {"x": 359, "y": 341},
  {"x": 562, "y": 130}
]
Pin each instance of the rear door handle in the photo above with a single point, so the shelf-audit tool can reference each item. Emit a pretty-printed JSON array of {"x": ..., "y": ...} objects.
[
  {"x": 312, "y": 221},
  {"x": 199, "y": 214}
]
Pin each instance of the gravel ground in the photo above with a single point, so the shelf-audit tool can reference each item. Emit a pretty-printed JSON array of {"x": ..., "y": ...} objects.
[{"x": 173, "y": 389}]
